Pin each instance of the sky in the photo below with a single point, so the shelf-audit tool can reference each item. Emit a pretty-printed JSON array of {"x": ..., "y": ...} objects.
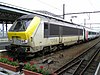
[{"x": 71, "y": 6}]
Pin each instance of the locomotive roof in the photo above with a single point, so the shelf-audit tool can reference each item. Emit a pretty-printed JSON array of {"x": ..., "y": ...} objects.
[
  {"x": 33, "y": 15},
  {"x": 61, "y": 20},
  {"x": 26, "y": 17}
]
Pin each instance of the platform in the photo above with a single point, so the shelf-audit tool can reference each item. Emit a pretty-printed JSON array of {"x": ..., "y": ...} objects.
[
  {"x": 8, "y": 72},
  {"x": 3, "y": 39},
  {"x": 3, "y": 42}
]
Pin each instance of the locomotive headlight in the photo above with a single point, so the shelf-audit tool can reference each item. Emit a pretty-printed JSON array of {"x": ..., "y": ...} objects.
[
  {"x": 10, "y": 40},
  {"x": 24, "y": 41}
]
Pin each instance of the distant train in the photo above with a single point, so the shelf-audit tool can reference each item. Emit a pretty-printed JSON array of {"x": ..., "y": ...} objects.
[{"x": 35, "y": 33}]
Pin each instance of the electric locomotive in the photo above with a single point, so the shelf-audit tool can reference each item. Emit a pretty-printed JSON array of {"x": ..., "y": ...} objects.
[{"x": 35, "y": 33}]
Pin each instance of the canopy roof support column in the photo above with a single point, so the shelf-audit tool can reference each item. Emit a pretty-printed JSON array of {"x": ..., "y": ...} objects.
[{"x": 3, "y": 28}]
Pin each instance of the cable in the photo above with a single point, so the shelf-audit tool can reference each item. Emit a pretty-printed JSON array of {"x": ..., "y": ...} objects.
[
  {"x": 91, "y": 4},
  {"x": 49, "y": 5},
  {"x": 82, "y": 12}
]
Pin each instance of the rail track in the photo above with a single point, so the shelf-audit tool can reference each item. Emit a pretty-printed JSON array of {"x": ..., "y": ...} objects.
[{"x": 83, "y": 64}]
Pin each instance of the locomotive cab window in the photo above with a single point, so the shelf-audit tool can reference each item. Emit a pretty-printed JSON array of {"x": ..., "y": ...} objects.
[{"x": 20, "y": 25}]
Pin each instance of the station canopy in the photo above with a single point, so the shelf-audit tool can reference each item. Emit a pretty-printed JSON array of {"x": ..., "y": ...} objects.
[
  {"x": 9, "y": 13},
  {"x": 8, "y": 16}
]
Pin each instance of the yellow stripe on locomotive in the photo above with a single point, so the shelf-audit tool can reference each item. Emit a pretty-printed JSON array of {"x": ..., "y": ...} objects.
[{"x": 33, "y": 26}]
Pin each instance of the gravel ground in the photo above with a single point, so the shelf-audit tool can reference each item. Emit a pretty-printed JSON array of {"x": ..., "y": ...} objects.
[{"x": 61, "y": 57}]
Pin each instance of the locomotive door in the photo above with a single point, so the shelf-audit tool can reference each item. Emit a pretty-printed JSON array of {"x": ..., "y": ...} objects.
[{"x": 60, "y": 34}]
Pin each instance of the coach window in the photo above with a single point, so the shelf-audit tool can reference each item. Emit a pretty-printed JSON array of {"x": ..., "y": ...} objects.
[{"x": 45, "y": 30}]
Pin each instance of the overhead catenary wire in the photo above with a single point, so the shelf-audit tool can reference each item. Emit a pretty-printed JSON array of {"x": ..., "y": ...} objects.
[
  {"x": 49, "y": 5},
  {"x": 82, "y": 12},
  {"x": 91, "y": 4}
]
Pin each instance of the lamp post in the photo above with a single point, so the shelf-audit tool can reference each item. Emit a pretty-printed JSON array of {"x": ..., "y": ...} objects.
[
  {"x": 63, "y": 11},
  {"x": 84, "y": 22},
  {"x": 72, "y": 18}
]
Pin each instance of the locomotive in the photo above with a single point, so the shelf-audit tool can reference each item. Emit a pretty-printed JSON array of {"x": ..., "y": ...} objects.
[{"x": 35, "y": 33}]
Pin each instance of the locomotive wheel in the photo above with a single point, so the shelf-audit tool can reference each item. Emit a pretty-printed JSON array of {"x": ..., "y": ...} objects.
[
  {"x": 54, "y": 48},
  {"x": 60, "y": 47},
  {"x": 46, "y": 49}
]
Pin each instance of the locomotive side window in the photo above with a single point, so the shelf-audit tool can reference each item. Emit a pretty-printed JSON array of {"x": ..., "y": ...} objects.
[
  {"x": 54, "y": 30},
  {"x": 45, "y": 30},
  {"x": 69, "y": 31},
  {"x": 51, "y": 30},
  {"x": 80, "y": 31}
]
